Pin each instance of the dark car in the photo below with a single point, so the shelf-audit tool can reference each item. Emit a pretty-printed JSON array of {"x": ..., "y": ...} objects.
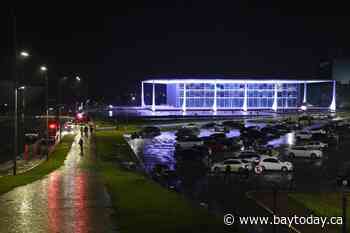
[
  {"x": 218, "y": 136},
  {"x": 209, "y": 125},
  {"x": 185, "y": 132},
  {"x": 233, "y": 124},
  {"x": 31, "y": 136},
  {"x": 282, "y": 128},
  {"x": 150, "y": 132},
  {"x": 343, "y": 175},
  {"x": 194, "y": 154}
]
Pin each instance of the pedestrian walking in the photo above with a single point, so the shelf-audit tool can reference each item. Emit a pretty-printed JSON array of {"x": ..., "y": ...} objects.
[
  {"x": 81, "y": 144},
  {"x": 86, "y": 130},
  {"x": 81, "y": 130},
  {"x": 91, "y": 129}
]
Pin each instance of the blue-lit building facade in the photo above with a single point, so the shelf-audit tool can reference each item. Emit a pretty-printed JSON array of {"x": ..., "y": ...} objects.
[{"x": 231, "y": 94}]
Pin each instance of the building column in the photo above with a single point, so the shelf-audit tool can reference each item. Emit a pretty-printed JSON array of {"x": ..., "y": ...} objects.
[
  {"x": 275, "y": 103},
  {"x": 184, "y": 99},
  {"x": 305, "y": 89},
  {"x": 245, "y": 100},
  {"x": 215, "y": 94},
  {"x": 142, "y": 96},
  {"x": 153, "y": 97},
  {"x": 333, "y": 106}
]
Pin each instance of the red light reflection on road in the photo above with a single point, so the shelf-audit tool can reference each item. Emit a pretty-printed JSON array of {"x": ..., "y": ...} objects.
[
  {"x": 81, "y": 210},
  {"x": 53, "y": 200}
]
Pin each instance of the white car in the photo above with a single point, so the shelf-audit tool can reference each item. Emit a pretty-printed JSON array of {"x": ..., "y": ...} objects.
[
  {"x": 303, "y": 135},
  {"x": 221, "y": 128},
  {"x": 69, "y": 126},
  {"x": 316, "y": 145},
  {"x": 191, "y": 126},
  {"x": 248, "y": 155},
  {"x": 317, "y": 131},
  {"x": 274, "y": 164},
  {"x": 189, "y": 143},
  {"x": 235, "y": 165},
  {"x": 302, "y": 151}
]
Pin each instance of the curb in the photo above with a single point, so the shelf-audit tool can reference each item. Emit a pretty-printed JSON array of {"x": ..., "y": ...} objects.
[{"x": 262, "y": 205}]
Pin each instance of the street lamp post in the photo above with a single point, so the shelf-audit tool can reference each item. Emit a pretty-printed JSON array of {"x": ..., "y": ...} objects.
[
  {"x": 22, "y": 54},
  {"x": 21, "y": 92},
  {"x": 44, "y": 71},
  {"x": 60, "y": 103},
  {"x": 14, "y": 67}
]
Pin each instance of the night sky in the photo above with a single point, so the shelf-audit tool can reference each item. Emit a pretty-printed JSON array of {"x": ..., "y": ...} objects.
[{"x": 116, "y": 46}]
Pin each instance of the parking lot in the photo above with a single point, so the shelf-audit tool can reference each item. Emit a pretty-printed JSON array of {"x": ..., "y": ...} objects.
[{"x": 191, "y": 170}]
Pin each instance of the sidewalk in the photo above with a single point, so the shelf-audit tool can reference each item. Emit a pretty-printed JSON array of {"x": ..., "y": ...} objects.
[
  {"x": 6, "y": 169},
  {"x": 23, "y": 165},
  {"x": 70, "y": 199}
]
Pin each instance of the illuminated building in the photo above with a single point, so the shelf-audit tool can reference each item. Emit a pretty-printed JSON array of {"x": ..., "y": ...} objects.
[{"x": 196, "y": 93}]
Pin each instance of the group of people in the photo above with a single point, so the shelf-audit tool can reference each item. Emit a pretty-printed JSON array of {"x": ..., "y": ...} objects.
[{"x": 84, "y": 131}]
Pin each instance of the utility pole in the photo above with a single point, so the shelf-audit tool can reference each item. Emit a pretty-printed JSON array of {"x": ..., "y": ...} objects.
[
  {"x": 47, "y": 114},
  {"x": 44, "y": 72},
  {"x": 59, "y": 104},
  {"x": 15, "y": 83}
]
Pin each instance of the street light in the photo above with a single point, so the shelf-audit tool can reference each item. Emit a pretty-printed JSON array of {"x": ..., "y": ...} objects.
[
  {"x": 60, "y": 103},
  {"x": 44, "y": 71},
  {"x": 24, "y": 54},
  {"x": 78, "y": 80}
]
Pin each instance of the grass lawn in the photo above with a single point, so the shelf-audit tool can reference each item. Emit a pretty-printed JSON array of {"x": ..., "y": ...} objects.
[
  {"x": 57, "y": 158},
  {"x": 322, "y": 204},
  {"x": 142, "y": 205}
]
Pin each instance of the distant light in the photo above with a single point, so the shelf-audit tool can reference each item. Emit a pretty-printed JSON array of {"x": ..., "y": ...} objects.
[
  {"x": 43, "y": 68},
  {"x": 24, "y": 54},
  {"x": 50, "y": 109},
  {"x": 110, "y": 106},
  {"x": 52, "y": 126},
  {"x": 5, "y": 105},
  {"x": 303, "y": 107},
  {"x": 78, "y": 78},
  {"x": 22, "y": 88},
  {"x": 133, "y": 98},
  {"x": 290, "y": 138},
  {"x": 79, "y": 115},
  {"x": 110, "y": 113}
]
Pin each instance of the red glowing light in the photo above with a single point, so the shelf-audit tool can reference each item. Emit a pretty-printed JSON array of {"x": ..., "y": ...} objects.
[
  {"x": 79, "y": 115},
  {"x": 52, "y": 126}
]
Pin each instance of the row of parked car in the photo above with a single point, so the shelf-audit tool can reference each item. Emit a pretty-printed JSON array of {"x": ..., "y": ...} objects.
[
  {"x": 261, "y": 155},
  {"x": 243, "y": 165}
]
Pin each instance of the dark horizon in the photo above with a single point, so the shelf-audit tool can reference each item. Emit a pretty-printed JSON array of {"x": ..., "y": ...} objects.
[{"x": 115, "y": 50}]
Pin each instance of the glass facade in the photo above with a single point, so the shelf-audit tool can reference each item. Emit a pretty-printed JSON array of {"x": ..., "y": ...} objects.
[
  {"x": 232, "y": 95},
  {"x": 216, "y": 93}
]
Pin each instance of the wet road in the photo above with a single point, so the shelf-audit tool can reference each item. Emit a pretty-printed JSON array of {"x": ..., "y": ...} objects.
[{"x": 70, "y": 199}]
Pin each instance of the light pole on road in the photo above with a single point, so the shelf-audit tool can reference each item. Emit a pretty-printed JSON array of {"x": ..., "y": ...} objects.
[
  {"x": 43, "y": 69},
  {"x": 21, "y": 55}
]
